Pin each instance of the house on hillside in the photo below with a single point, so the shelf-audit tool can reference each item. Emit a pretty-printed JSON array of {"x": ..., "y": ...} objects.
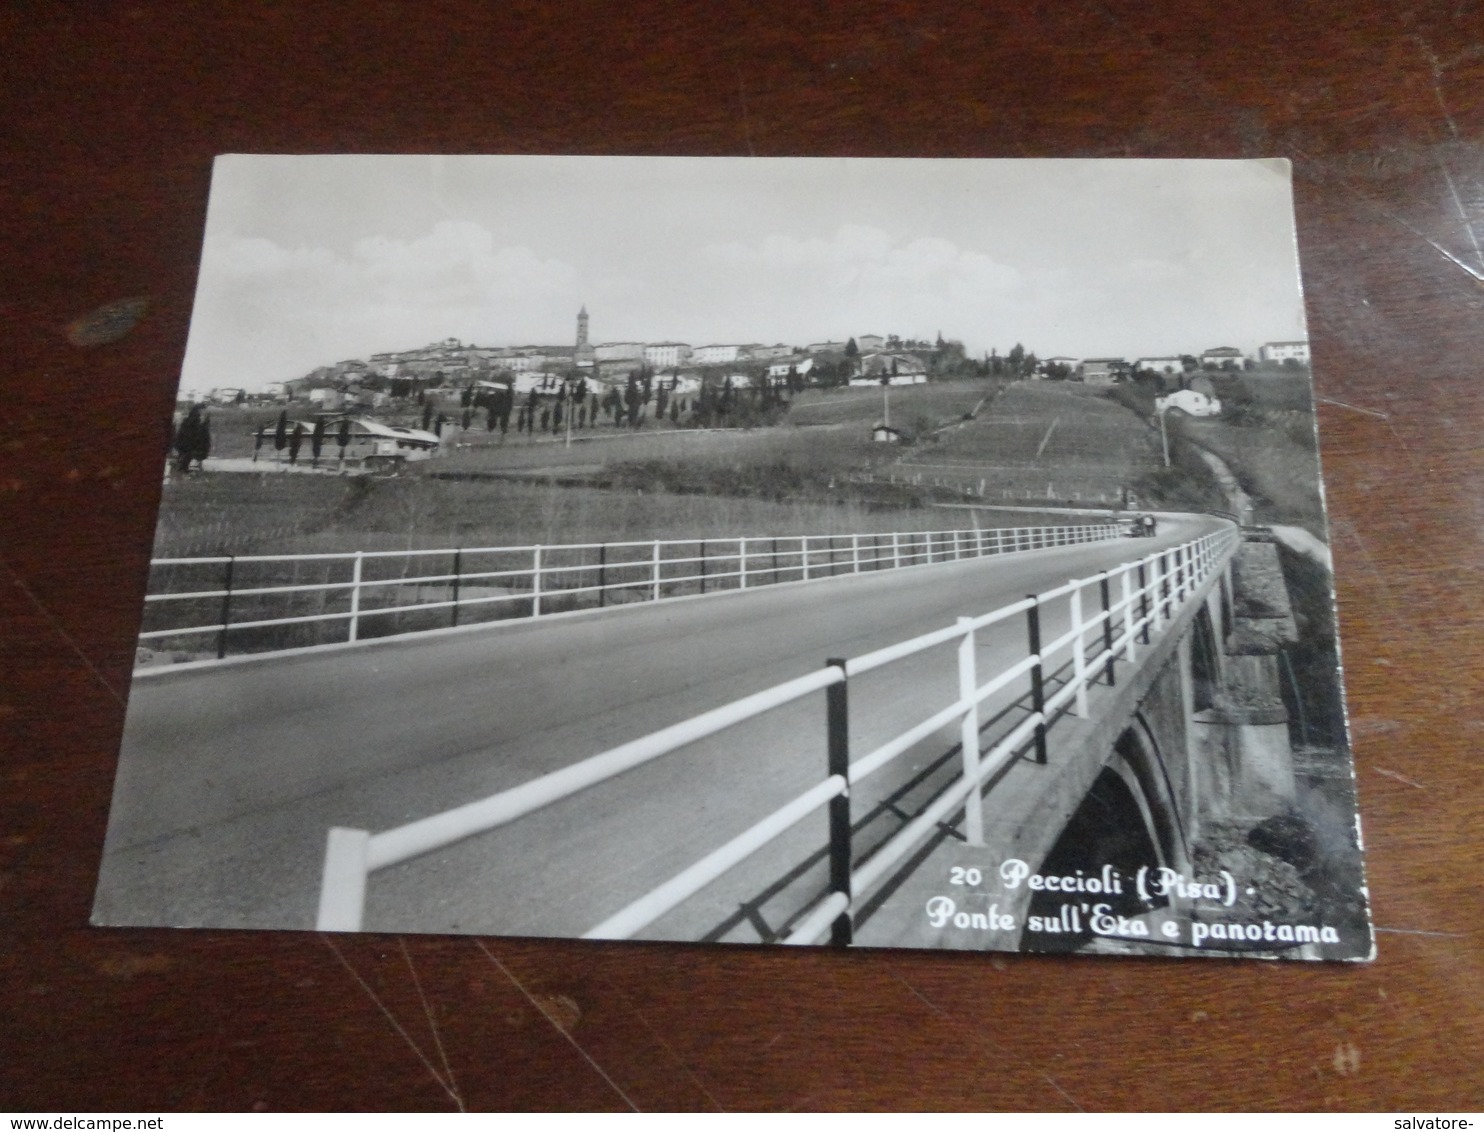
[
  {"x": 800, "y": 366},
  {"x": 1285, "y": 352},
  {"x": 1223, "y": 357},
  {"x": 1165, "y": 365},
  {"x": 1103, "y": 371},
  {"x": 714, "y": 354},
  {"x": 771, "y": 353},
  {"x": 885, "y": 434},
  {"x": 890, "y": 369}
]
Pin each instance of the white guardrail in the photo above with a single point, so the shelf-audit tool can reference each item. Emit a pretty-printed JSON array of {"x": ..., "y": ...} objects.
[
  {"x": 526, "y": 581},
  {"x": 1134, "y": 601}
]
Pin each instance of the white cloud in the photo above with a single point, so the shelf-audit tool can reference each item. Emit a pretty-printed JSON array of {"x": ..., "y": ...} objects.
[
  {"x": 861, "y": 279},
  {"x": 270, "y": 307},
  {"x": 866, "y": 257}
]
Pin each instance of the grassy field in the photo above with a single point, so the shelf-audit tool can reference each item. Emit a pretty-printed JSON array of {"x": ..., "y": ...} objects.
[
  {"x": 1056, "y": 442},
  {"x": 242, "y": 514},
  {"x": 940, "y": 402},
  {"x": 1275, "y": 459},
  {"x": 206, "y": 515}
]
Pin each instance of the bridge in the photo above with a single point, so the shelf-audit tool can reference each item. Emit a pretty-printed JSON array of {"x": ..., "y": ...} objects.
[{"x": 794, "y": 762}]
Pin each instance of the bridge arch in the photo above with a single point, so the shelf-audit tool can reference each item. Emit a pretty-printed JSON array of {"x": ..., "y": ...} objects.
[{"x": 1129, "y": 819}]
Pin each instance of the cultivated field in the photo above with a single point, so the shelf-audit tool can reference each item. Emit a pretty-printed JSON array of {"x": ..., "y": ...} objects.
[{"x": 1060, "y": 443}]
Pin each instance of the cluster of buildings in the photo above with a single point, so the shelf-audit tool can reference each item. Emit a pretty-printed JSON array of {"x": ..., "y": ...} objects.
[
  {"x": 869, "y": 359},
  {"x": 372, "y": 382},
  {"x": 1110, "y": 371}
]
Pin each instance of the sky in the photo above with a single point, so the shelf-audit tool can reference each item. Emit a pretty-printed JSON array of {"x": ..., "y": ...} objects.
[{"x": 310, "y": 260}]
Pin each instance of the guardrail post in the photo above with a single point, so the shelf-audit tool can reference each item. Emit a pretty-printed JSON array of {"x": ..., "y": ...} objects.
[
  {"x": 837, "y": 723},
  {"x": 742, "y": 563},
  {"x": 221, "y": 640},
  {"x": 896, "y": 550},
  {"x": 355, "y": 595},
  {"x": 536, "y": 581},
  {"x": 1107, "y": 626},
  {"x": 1162, "y": 589},
  {"x": 342, "y": 894},
  {"x": 958, "y": 551},
  {"x": 1079, "y": 653},
  {"x": 855, "y": 554},
  {"x": 458, "y": 564},
  {"x": 655, "y": 573},
  {"x": 1038, "y": 686},
  {"x": 774, "y": 550},
  {"x": 602, "y": 574},
  {"x": 968, "y": 693},
  {"x": 703, "y": 565},
  {"x": 1143, "y": 606},
  {"x": 804, "y": 554}
]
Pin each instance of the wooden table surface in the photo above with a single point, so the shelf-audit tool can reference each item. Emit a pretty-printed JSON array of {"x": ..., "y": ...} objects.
[{"x": 111, "y": 113}]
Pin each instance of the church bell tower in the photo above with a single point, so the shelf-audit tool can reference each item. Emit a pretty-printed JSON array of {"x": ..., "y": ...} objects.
[{"x": 583, "y": 355}]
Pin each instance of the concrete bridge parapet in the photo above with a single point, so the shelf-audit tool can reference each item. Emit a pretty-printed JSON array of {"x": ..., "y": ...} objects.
[{"x": 1195, "y": 732}]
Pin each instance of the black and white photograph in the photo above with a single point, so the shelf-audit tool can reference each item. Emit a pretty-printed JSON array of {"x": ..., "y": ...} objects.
[{"x": 903, "y": 553}]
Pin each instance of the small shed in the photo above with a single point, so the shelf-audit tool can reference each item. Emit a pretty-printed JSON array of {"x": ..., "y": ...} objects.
[{"x": 885, "y": 434}]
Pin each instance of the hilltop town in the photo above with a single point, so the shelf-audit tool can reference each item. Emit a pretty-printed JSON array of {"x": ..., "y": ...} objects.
[{"x": 867, "y": 359}]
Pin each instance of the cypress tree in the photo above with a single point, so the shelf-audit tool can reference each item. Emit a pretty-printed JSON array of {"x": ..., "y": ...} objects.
[
  {"x": 203, "y": 441},
  {"x": 185, "y": 439}
]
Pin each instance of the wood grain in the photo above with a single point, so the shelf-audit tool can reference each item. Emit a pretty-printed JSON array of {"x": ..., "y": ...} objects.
[{"x": 109, "y": 118}]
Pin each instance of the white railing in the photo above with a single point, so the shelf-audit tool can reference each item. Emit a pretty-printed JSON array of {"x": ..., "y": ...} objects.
[
  {"x": 1134, "y": 602},
  {"x": 529, "y": 581}
]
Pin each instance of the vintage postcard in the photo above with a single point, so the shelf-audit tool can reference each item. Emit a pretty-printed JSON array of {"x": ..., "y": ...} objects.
[{"x": 872, "y": 553}]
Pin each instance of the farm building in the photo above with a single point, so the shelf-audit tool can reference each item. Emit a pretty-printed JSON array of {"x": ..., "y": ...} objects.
[
  {"x": 1190, "y": 401},
  {"x": 368, "y": 441}
]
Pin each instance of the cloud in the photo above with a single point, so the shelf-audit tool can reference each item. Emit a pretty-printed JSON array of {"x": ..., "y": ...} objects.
[
  {"x": 271, "y": 309},
  {"x": 861, "y": 279},
  {"x": 867, "y": 258}
]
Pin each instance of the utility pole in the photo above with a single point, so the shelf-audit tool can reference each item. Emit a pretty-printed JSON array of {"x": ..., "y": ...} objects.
[{"x": 1164, "y": 434}]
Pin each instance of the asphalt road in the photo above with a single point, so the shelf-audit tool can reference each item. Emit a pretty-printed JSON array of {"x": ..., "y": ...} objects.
[{"x": 229, "y": 776}]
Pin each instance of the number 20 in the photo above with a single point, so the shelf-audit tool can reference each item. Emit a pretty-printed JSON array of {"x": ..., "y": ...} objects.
[{"x": 960, "y": 875}]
